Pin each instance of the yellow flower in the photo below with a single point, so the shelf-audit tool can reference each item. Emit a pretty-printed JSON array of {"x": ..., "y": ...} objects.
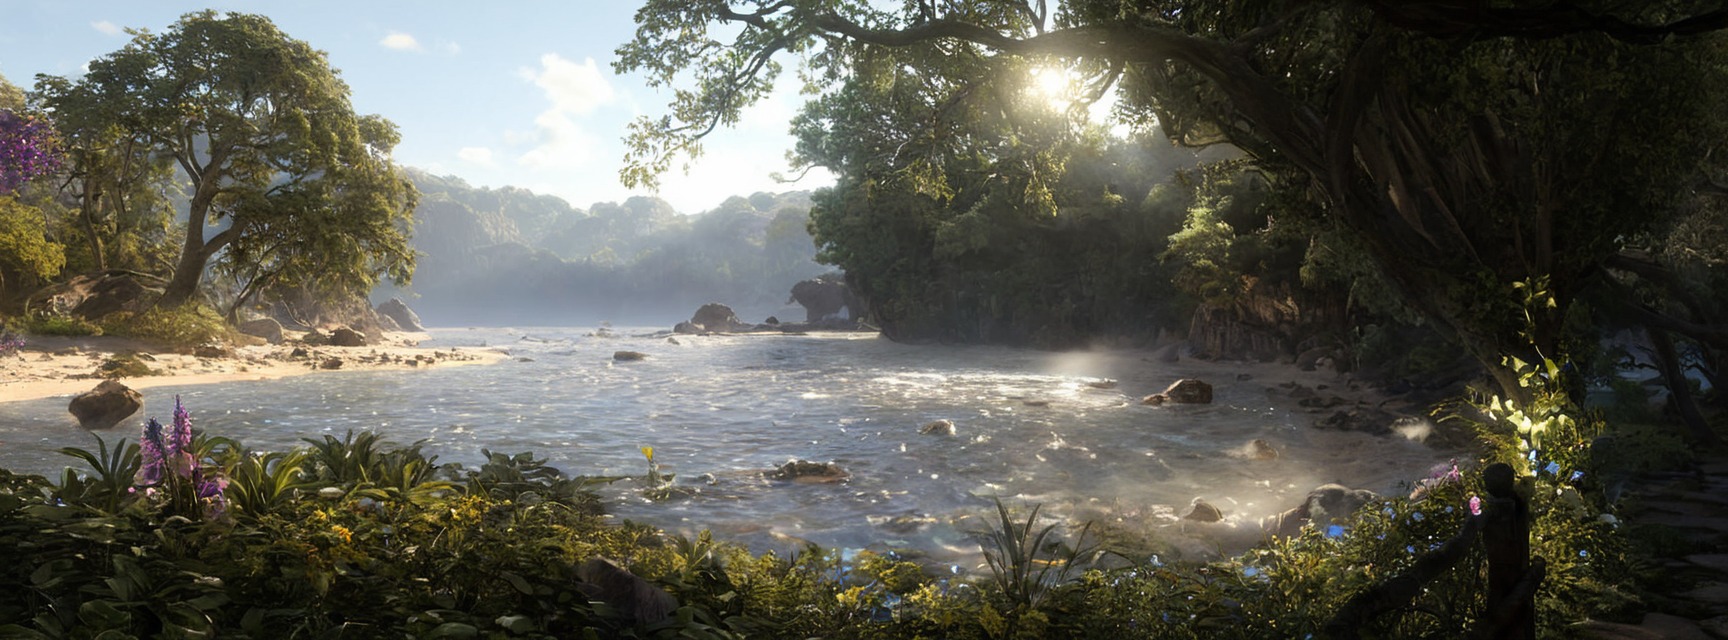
[{"x": 343, "y": 533}]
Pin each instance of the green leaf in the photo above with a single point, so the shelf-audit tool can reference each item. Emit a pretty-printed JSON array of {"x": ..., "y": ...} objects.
[{"x": 454, "y": 630}]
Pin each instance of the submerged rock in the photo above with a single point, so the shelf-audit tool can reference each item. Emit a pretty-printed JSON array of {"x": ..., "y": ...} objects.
[
  {"x": 1259, "y": 449},
  {"x": 807, "y": 472},
  {"x": 938, "y": 428},
  {"x": 629, "y": 356},
  {"x": 1367, "y": 420},
  {"x": 1203, "y": 511},
  {"x": 106, "y": 405}
]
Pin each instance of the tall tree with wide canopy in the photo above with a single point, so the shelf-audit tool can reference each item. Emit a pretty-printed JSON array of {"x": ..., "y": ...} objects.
[
  {"x": 1465, "y": 147},
  {"x": 262, "y": 126}
]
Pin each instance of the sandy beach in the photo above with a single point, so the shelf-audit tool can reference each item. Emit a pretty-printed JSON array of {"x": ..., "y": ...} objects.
[{"x": 50, "y": 366}]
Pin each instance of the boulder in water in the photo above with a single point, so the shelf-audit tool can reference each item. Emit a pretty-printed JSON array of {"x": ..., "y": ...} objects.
[
  {"x": 687, "y": 328},
  {"x": 938, "y": 428},
  {"x": 106, "y": 405},
  {"x": 629, "y": 356},
  {"x": 1367, "y": 420},
  {"x": 716, "y": 317},
  {"x": 1203, "y": 511},
  {"x": 1189, "y": 391},
  {"x": 1261, "y": 450}
]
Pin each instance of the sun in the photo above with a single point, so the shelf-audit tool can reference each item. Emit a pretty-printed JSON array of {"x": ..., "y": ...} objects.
[{"x": 1054, "y": 85}]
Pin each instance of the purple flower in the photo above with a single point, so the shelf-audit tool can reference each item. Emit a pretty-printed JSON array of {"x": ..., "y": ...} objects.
[
  {"x": 211, "y": 494},
  {"x": 180, "y": 441},
  {"x": 1475, "y": 506},
  {"x": 154, "y": 454}
]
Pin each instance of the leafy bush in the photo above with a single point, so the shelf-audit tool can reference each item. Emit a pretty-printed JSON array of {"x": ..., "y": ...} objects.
[
  {"x": 125, "y": 365},
  {"x": 180, "y": 328},
  {"x": 57, "y": 325}
]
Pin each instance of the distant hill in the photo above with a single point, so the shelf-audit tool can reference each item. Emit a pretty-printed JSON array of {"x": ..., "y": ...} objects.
[{"x": 510, "y": 256}]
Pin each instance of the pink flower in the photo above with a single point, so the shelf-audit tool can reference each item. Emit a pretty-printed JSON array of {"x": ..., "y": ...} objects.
[{"x": 1475, "y": 506}]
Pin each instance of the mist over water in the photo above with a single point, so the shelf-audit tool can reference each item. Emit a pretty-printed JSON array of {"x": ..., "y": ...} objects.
[{"x": 717, "y": 410}]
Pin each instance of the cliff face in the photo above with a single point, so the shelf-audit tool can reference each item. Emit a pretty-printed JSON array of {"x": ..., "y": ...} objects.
[{"x": 1266, "y": 323}]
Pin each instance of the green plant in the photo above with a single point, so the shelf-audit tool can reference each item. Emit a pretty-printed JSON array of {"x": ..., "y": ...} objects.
[
  {"x": 181, "y": 327},
  {"x": 264, "y": 483},
  {"x": 1026, "y": 561},
  {"x": 125, "y": 365},
  {"x": 60, "y": 325},
  {"x": 353, "y": 459}
]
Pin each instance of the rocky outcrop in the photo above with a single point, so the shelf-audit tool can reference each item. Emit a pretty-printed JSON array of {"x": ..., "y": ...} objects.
[
  {"x": 1265, "y": 323},
  {"x": 398, "y": 311},
  {"x": 345, "y": 337},
  {"x": 716, "y": 317},
  {"x": 824, "y": 297},
  {"x": 106, "y": 405},
  {"x": 807, "y": 472},
  {"x": 266, "y": 328}
]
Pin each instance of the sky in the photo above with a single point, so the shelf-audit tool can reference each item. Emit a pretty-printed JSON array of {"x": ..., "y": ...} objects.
[{"x": 517, "y": 92}]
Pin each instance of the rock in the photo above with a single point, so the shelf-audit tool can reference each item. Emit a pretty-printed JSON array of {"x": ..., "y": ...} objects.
[
  {"x": 1156, "y": 399},
  {"x": 386, "y": 323},
  {"x": 266, "y": 328},
  {"x": 1204, "y": 512},
  {"x": 1189, "y": 391},
  {"x": 629, "y": 356},
  {"x": 399, "y": 312},
  {"x": 716, "y": 317},
  {"x": 1261, "y": 450},
  {"x": 345, "y": 337},
  {"x": 806, "y": 472},
  {"x": 1102, "y": 384},
  {"x": 106, "y": 405},
  {"x": 209, "y": 351},
  {"x": 1169, "y": 354},
  {"x": 825, "y": 297},
  {"x": 687, "y": 328},
  {"x": 938, "y": 428},
  {"x": 1317, "y": 402},
  {"x": 772, "y": 320},
  {"x": 1367, "y": 420},
  {"x": 299, "y": 352},
  {"x": 1310, "y": 359},
  {"x": 316, "y": 338},
  {"x": 1326, "y": 505},
  {"x": 632, "y": 596},
  {"x": 332, "y": 363}
]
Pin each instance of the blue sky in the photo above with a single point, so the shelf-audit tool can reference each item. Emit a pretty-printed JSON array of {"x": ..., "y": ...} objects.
[{"x": 503, "y": 93}]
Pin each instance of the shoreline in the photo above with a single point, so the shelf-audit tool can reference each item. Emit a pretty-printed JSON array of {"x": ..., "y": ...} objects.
[{"x": 56, "y": 366}]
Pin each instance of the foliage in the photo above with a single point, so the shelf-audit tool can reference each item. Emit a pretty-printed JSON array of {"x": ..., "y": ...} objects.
[
  {"x": 60, "y": 325},
  {"x": 262, "y": 126},
  {"x": 10, "y": 343},
  {"x": 26, "y": 251},
  {"x": 180, "y": 327},
  {"x": 125, "y": 365},
  {"x": 28, "y": 148}
]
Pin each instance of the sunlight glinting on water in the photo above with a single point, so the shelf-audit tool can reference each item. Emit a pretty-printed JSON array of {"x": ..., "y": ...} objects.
[{"x": 1029, "y": 427}]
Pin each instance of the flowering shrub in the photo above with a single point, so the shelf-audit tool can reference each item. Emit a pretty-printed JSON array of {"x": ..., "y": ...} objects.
[
  {"x": 10, "y": 343},
  {"x": 28, "y": 148},
  {"x": 172, "y": 475}
]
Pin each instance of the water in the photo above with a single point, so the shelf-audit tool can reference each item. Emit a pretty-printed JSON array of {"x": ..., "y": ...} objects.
[{"x": 718, "y": 410}]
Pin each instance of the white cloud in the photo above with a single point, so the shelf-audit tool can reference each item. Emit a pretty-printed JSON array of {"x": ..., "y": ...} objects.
[
  {"x": 452, "y": 48},
  {"x": 574, "y": 90},
  {"x": 108, "y": 28},
  {"x": 401, "y": 42},
  {"x": 476, "y": 155}
]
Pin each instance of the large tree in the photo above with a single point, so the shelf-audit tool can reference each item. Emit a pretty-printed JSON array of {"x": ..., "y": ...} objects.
[
  {"x": 262, "y": 126},
  {"x": 1465, "y": 147}
]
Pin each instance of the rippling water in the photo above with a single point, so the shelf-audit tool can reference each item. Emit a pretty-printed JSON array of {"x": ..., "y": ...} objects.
[{"x": 717, "y": 409}]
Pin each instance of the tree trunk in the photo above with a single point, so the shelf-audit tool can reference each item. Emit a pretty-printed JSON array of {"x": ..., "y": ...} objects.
[
  {"x": 1668, "y": 360},
  {"x": 91, "y": 203}
]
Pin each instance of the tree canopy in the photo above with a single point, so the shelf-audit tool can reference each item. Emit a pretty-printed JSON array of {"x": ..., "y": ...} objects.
[
  {"x": 287, "y": 181},
  {"x": 1463, "y": 149}
]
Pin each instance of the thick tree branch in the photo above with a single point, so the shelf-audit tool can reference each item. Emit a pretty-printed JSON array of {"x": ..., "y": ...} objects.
[{"x": 1476, "y": 19}]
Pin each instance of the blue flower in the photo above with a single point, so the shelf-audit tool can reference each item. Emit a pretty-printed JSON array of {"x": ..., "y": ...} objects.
[
  {"x": 1553, "y": 467},
  {"x": 1334, "y": 531}
]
